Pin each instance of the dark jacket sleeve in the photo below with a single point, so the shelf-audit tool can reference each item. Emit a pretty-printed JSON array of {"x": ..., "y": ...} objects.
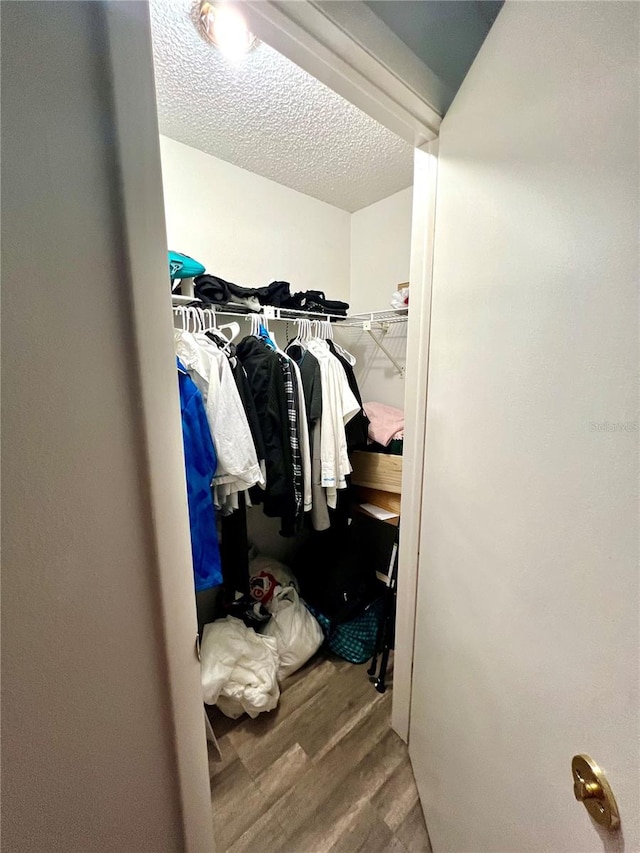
[
  {"x": 280, "y": 496},
  {"x": 267, "y": 386}
]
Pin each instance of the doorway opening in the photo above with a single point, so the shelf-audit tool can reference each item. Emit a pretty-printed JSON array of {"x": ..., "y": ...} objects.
[{"x": 270, "y": 177}]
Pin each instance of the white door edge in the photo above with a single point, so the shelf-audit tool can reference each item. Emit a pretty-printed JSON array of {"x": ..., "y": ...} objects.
[{"x": 415, "y": 407}]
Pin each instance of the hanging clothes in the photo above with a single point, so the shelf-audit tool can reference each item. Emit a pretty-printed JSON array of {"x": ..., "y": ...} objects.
[
  {"x": 309, "y": 369},
  {"x": 238, "y": 467},
  {"x": 338, "y": 407},
  {"x": 311, "y": 380},
  {"x": 266, "y": 382},
  {"x": 200, "y": 467},
  {"x": 305, "y": 441},
  {"x": 234, "y": 551},
  {"x": 246, "y": 398},
  {"x": 290, "y": 390},
  {"x": 357, "y": 429}
]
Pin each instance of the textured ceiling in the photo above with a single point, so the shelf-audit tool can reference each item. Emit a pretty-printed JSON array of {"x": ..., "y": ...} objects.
[{"x": 271, "y": 117}]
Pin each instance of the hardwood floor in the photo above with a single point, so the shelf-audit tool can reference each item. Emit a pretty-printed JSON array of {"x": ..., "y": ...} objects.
[{"x": 323, "y": 772}]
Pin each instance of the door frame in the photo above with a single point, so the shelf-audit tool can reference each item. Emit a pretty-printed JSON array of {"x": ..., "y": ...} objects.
[{"x": 382, "y": 77}]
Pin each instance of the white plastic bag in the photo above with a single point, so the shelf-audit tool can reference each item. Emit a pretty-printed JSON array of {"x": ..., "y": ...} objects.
[
  {"x": 400, "y": 299},
  {"x": 238, "y": 668},
  {"x": 297, "y": 632},
  {"x": 261, "y": 563}
]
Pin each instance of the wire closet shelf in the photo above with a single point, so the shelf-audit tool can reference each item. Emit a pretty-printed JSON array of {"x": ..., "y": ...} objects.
[
  {"x": 369, "y": 321},
  {"x": 366, "y": 320}
]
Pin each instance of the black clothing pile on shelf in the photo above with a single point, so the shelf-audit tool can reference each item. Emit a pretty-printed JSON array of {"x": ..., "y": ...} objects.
[{"x": 216, "y": 291}]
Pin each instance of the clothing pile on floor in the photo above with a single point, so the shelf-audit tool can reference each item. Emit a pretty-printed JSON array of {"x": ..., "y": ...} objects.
[{"x": 266, "y": 637}]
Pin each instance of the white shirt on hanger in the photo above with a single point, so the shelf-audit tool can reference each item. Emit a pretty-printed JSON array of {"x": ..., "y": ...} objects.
[
  {"x": 339, "y": 405},
  {"x": 238, "y": 467}
]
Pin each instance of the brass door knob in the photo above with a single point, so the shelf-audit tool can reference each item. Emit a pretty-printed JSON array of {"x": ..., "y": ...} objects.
[{"x": 590, "y": 787}]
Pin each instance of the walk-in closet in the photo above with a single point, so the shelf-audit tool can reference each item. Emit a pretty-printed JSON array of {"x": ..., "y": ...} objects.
[
  {"x": 228, "y": 425},
  {"x": 288, "y": 215}
]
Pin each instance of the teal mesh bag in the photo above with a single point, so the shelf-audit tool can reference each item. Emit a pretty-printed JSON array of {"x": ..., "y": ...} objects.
[
  {"x": 355, "y": 640},
  {"x": 182, "y": 266}
]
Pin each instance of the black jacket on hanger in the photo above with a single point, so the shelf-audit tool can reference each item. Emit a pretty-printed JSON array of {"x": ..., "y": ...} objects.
[
  {"x": 357, "y": 430},
  {"x": 267, "y": 388}
]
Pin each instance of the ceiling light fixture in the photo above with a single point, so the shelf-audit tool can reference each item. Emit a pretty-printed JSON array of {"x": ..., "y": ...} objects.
[{"x": 223, "y": 26}]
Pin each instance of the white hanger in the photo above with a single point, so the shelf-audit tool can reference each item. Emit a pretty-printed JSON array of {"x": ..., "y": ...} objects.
[
  {"x": 255, "y": 323},
  {"x": 234, "y": 329},
  {"x": 345, "y": 354},
  {"x": 265, "y": 321},
  {"x": 304, "y": 332}
]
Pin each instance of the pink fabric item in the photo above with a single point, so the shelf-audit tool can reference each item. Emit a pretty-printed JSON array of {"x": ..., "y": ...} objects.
[{"x": 387, "y": 422}]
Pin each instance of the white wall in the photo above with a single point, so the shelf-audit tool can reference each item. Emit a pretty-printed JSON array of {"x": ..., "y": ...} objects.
[
  {"x": 380, "y": 255},
  {"x": 380, "y": 251},
  {"x": 89, "y": 748},
  {"x": 250, "y": 230},
  {"x": 527, "y": 646}
]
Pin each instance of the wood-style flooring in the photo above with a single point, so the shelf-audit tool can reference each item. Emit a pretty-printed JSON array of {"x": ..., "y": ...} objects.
[{"x": 322, "y": 772}]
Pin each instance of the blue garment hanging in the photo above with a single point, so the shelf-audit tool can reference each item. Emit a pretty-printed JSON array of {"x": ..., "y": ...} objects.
[
  {"x": 200, "y": 465},
  {"x": 263, "y": 334}
]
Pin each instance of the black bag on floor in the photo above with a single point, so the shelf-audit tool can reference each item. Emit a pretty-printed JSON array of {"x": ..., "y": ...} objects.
[{"x": 337, "y": 568}]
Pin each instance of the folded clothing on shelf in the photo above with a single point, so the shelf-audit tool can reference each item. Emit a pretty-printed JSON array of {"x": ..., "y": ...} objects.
[
  {"x": 217, "y": 291},
  {"x": 386, "y": 422},
  {"x": 316, "y": 301}
]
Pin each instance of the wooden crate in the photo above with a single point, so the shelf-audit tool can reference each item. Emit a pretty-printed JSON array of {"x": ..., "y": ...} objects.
[
  {"x": 377, "y": 471},
  {"x": 385, "y": 500}
]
